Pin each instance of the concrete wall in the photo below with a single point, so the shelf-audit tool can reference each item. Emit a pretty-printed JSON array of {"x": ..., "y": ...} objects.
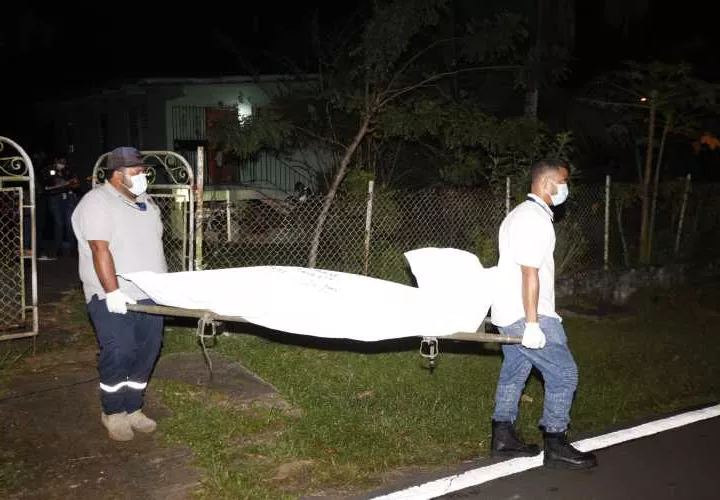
[{"x": 617, "y": 286}]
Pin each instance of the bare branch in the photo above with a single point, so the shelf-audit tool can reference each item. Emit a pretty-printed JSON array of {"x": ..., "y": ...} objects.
[
  {"x": 319, "y": 137},
  {"x": 382, "y": 100},
  {"x": 415, "y": 58},
  {"x": 600, "y": 102}
]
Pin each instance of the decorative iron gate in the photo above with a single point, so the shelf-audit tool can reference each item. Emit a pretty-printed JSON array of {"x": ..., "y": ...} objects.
[
  {"x": 170, "y": 182},
  {"x": 18, "y": 263}
]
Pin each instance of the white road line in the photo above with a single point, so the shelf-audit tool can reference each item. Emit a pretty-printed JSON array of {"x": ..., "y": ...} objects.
[{"x": 481, "y": 475}]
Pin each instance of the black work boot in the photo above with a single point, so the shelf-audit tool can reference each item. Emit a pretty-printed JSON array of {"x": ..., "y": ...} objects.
[
  {"x": 505, "y": 443},
  {"x": 559, "y": 454}
]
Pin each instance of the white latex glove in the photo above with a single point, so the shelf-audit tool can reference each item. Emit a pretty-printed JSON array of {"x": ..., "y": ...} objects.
[
  {"x": 533, "y": 336},
  {"x": 116, "y": 302}
]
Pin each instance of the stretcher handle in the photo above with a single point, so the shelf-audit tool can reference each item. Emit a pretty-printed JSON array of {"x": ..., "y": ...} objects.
[{"x": 184, "y": 313}]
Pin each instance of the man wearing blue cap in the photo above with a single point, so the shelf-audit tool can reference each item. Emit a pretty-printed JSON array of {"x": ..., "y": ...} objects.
[{"x": 119, "y": 230}]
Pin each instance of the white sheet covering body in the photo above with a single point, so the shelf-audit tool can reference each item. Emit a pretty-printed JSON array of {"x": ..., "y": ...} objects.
[{"x": 454, "y": 294}]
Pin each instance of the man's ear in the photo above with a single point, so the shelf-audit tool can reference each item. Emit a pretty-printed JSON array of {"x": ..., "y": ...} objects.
[{"x": 545, "y": 184}]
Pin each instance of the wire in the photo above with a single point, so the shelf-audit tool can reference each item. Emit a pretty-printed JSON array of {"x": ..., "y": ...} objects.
[{"x": 49, "y": 389}]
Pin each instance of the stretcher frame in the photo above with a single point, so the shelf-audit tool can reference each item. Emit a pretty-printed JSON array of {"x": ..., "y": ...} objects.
[{"x": 429, "y": 345}]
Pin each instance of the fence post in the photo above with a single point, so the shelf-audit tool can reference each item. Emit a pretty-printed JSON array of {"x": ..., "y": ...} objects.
[
  {"x": 228, "y": 218},
  {"x": 606, "y": 247},
  {"x": 368, "y": 223},
  {"x": 199, "y": 203},
  {"x": 507, "y": 195},
  {"x": 682, "y": 213}
]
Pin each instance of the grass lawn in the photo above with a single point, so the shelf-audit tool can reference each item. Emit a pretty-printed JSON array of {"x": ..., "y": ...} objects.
[{"x": 359, "y": 415}]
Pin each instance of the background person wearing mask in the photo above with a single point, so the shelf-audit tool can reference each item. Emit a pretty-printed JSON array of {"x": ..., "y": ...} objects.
[
  {"x": 119, "y": 230},
  {"x": 524, "y": 306}
]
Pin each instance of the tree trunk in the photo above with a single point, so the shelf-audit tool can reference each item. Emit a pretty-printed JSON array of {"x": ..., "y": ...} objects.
[
  {"x": 531, "y": 101},
  {"x": 337, "y": 180},
  {"x": 623, "y": 242},
  {"x": 645, "y": 183},
  {"x": 656, "y": 183}
]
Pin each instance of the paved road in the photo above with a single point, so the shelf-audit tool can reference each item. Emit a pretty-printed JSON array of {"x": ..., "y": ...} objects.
[{"x": 680, "y": 463}]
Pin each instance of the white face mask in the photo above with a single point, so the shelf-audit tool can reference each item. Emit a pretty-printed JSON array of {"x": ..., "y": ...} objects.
[
  {"x": 138, "y": 184},
  {"x": 561, "y": 195}
]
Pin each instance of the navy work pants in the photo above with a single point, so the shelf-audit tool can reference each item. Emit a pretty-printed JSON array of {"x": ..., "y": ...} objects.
[{"x": 129, "y": 347}]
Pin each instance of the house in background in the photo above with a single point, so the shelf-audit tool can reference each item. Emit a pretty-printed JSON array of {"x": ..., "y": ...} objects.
[{"x": 174, "y": 114}]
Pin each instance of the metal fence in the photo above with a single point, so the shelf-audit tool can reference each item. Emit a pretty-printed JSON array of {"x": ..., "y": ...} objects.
[
  {"x": 18, "y": 263},
  {"x": 171, "y": 182},
  {"x": 367, "y": 234}
]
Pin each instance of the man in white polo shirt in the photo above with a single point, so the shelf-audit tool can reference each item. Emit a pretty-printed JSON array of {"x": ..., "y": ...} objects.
[
  {"x": 524, "y": 306},
  {"x": 119, "y": 230}
]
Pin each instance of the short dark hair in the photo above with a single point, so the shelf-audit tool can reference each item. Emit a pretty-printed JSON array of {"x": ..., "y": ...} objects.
[{"x": 542, "y": 167}]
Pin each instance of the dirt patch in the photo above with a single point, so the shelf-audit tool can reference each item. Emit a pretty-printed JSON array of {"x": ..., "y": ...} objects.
[
  {"x": 227, "y": 376},
  {"x": 54, "y": 445}
]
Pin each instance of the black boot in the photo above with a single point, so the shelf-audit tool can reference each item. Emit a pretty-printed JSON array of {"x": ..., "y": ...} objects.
[
  {"x": 559, "y": 454},
  {"x": 505, "y": 443}
]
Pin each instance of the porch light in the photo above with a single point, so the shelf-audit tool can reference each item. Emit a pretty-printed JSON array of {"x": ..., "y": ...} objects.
[{"x": 244, "y": 110}]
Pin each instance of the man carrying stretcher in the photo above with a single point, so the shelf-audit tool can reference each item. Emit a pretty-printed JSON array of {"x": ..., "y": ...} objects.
[{"x": 119, "y": 230}]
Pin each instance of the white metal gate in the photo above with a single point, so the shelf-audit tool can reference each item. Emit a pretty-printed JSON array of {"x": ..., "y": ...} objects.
[
  {"x": 18, "y": 262},
  {"x": 170, "y": 182}
]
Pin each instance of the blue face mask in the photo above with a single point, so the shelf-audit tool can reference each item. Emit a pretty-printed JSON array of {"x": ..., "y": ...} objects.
[{"x": 561, "y": 195}]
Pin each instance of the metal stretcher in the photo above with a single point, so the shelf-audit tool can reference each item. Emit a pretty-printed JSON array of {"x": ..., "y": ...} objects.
[{"x": 429, "y": 346}]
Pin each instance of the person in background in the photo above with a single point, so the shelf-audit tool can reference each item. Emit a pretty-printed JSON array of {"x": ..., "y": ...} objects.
[{"x": 59, "y": 189}]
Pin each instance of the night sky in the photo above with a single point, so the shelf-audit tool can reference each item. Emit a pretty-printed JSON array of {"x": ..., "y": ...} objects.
[{"x": 61, "y": 47}]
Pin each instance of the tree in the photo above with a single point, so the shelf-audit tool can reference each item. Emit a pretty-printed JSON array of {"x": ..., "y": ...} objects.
[
  {"x": 552, "y": 40},
  {"x": 645, "y": 94},
  {"x": 383, "y": 70}
]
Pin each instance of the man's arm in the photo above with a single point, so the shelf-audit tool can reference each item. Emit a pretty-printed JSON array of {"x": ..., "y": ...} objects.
[
  {"x": 530, "y": 293},
  {"x": 104, "y": 265}
]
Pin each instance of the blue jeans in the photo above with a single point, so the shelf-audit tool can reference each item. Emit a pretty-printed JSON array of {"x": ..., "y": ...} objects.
[
  {"x": 129, "y": 347},
  {"x": 557, "y": 366}
]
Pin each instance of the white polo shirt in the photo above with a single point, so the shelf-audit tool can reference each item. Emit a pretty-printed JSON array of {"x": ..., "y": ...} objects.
[
  {"x": 134, "y": 236},
  {"x": 526, "y": 238}
]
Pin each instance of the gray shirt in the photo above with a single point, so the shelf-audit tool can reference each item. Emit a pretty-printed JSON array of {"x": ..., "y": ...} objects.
[{"x": 134, "y": 236}]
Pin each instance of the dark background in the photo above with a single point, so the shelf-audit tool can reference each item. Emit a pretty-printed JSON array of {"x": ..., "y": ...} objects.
[{"x": 50, "y": 50}]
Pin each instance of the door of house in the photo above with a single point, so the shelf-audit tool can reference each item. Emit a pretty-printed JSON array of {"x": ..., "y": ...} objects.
[{"x": 221, "y": 168}]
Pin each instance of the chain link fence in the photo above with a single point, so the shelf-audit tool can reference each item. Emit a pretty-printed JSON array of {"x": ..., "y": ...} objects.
[
  {"x": 697, "y": 230},
  {"x": 12, "y": 312},
  {"x": 593, "y": 231},
  {"x": 176, "y": 238},
  {"x": 580, "y": 230},
  {"x": 18, "y": 259}
]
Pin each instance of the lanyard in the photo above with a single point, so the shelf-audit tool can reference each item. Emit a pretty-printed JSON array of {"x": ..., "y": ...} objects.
[{"x": 544, "y": 207}]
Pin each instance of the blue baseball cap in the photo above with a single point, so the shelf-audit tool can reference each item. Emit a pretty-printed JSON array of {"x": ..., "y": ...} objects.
[{"x": 124, "y": 157}]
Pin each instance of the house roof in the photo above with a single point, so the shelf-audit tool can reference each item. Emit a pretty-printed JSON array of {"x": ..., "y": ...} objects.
[
  {"x": 223, "y": 79},
  {"x": 128, "y": 84}
]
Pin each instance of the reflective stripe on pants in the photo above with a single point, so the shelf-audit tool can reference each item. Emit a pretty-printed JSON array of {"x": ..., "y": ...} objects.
[{"x": 129, "y": 347}]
